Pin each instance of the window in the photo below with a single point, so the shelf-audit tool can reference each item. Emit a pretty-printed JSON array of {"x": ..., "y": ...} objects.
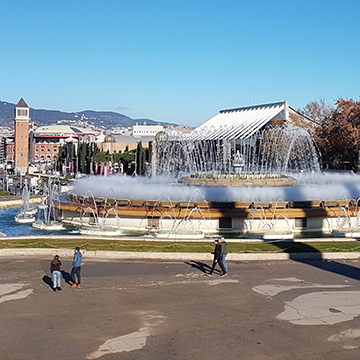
[
  {"x": 300, "y": 223},
  {"x": 153, "y": 223},
  {"x": 22, "y": 112},
  {"x": 225, "y": 223}
]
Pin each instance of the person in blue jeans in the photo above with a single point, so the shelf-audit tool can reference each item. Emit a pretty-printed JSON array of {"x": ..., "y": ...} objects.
[
  {"x": 55, "y": 270},
  {"x": 76, "y": 268},
  {"x": 217, "y": 259},
  {"x": 224, "y": 252}
]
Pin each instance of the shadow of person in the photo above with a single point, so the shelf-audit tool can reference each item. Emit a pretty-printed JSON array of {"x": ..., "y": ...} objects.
[
  {"x": 47, "y": 280},
  {"x": 66, "y": 276},
  {"x": 199, "y": 265}
]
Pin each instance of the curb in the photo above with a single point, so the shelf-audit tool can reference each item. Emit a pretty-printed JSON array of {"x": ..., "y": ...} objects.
[{"x": 163, "y": 256}]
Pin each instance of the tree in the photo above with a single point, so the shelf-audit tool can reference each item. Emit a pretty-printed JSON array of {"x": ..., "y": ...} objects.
[
  {"x": 141, "y": 158},
  {"x": 338, "y": 135},
  {"x": 317, "y": 110}
]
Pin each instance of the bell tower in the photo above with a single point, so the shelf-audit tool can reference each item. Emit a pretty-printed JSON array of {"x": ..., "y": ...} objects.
[{"x": 21, "y": 119}]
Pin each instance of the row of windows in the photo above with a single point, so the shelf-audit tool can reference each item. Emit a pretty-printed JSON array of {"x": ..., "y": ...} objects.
[
  {"x": 42, "y": 157},
  {"x": 226, "y": 223},
  {"x": 49, "y": 150},
  {"x": 22, "y": 112}
]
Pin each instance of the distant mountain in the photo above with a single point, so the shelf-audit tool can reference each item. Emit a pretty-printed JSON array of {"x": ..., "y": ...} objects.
[{"x": 106, "y": 119}]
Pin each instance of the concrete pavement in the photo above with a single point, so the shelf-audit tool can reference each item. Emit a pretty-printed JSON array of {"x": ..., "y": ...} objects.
[{"x": 170, "y": 310}]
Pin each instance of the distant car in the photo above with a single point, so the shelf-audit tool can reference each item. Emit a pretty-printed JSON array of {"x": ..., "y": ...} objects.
[{"x": 16, "y": 178}]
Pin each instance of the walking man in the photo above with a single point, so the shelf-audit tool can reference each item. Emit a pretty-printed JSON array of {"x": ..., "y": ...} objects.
[
  {"x": 224, "y": 252},
  {"x": 217, "y": 259},
  {"x": 76, "y": 269}
]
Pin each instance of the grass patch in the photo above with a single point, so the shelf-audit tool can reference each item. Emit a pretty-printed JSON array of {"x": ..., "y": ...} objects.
[{"x": 191, "y": 247}]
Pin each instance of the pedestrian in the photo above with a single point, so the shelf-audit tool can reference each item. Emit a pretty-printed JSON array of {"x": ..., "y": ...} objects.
[
  {"x": 76, "y": 268},
  {"x": 224, "y": 252},
  {"x": 217, "y": 259},
  {"x": 56, "y": 274}
]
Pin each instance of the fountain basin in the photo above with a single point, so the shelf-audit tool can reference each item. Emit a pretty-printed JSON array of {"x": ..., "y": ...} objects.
[
  {"x": 240, "y": 180},
  {"x": 100, "y": 231},
  {"x": 50, "y": 226},
  {"x": 22, "y": 217},
  {"x": 348, "y": 233},
  {"x": 270, "y": 234},
  {"x": 179, "y": 234},
  {"x": 224, "y": 217}
]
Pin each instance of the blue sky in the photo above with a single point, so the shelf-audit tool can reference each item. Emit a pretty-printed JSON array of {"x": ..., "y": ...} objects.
[{"x": 177, "y": 61}]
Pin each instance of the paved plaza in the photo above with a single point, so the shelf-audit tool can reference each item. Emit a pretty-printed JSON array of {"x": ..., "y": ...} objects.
[{"x": 171, "y": 310}]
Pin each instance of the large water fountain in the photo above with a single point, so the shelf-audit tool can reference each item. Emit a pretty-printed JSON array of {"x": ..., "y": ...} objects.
[
  {"x": 26, "y": 215},
  {"x": 49, "y": 214},
  {"x": 203, "y": 185}
]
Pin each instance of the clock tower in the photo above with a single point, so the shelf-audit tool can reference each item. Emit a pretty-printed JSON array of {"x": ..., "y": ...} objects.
[{"x": 21, "y": 119}]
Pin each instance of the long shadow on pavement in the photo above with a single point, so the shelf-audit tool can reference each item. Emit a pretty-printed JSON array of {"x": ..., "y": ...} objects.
[
  {"x": 201, "y": 266},
  {"x": 66, "y": 276},
  {"x": 316, "y": 260},
  {"x": 48, "y": 281}
]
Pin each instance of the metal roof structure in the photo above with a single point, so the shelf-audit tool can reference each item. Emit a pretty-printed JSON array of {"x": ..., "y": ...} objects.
[
  {"x": 240, "y": 123},
  {"x": 62, "y": 131}
]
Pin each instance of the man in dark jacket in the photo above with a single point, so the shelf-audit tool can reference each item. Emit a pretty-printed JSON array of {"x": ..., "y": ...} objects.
[
  {"x": 217, "y": 259},
  {"x": 224, "y": 252}
]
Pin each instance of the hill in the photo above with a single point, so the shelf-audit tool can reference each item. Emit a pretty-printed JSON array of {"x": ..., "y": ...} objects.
[{"x": 106, "y": 119}]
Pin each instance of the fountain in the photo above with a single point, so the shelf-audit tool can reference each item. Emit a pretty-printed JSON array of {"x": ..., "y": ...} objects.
[
  {"x": 277, "y": 163},
  {"x": 348, "y": 221},
  {"x": 268, "y": 154},
  {"x": 269, "y": 228},
  {"x": 185, "y": 227},
  {"x": 48, "y": 214},
  {"x": 26, "y": 214},
  {"x": 96, "y": 214}
]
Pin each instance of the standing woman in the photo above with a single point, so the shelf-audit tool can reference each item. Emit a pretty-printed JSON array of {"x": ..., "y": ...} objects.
[{"x": 55, "y": 270}]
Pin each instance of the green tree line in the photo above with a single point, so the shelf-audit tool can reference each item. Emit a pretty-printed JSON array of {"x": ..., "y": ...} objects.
[{"x": 81, "y": 156}]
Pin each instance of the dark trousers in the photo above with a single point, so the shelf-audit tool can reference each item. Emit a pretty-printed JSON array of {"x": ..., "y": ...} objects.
[
  {"x": 76, "y": 271},
  {"x": 221, "y": 264}
]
